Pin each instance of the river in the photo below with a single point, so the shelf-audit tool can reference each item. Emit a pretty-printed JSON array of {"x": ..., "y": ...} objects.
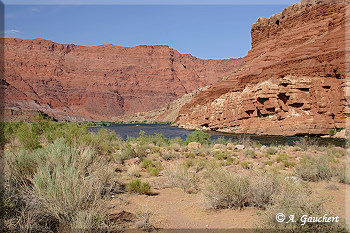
[{"x": 133, "y": 130}]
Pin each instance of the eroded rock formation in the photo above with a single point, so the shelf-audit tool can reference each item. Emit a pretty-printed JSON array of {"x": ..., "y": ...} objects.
[
  {"x": 71, "y": 82},
  {"x": 292, "y": 81}
]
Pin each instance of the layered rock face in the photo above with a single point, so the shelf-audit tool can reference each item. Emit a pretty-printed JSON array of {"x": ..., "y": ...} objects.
[
  {"x": 292, "y": 81},
  {"x": 71, "y": 82}
]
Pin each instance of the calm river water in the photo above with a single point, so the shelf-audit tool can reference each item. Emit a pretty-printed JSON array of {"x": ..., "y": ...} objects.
[{"x": 133, "y": 130}]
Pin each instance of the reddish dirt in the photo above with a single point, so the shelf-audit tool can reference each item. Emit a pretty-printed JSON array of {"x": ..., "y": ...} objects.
[
  {"x": 174, "y": 209},
  {"x": 72, "y": 82},
  {"x": 292, "y": 81}
]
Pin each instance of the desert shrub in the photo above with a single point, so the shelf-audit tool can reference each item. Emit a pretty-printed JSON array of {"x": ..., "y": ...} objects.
[
  {"x": 305, "y": 142},
  {"x": 156, "y": 140},
  {"x": 141, "y": 150},
  {"x": 222, "y": 141},
  {"x": 198, "y": 136},
  {"x": 146, "y": 163},
  {"x": 295, "y": 199},
  {"x": 256, "y": 145},
  {"x": 200, "y": 164},
  {"x": 250, "y": 153},
  {"x": 188, "y": 163},
  {"x": 190, "y": 155},
  {"x": 269, "y": 162},
  {"x": 220, "y": 156},
  {"x": 271, "y": 151},
  {"x": 180, "y": 177},
  {"x": 134, "y": 170},
  {"x": 62, "y": 179},
  {"x": 314, "y": 168},
  {"x": 337, "y": 153},
  {"x": 137, "y": 186},
  {"x": 158, "y": 165},
  {"x": 176, "y": 147},
  {"x": 170, "y": 156},
  {"x": 176, "y": 140},
  {"x": 263, "y": 186},
  {"x": 126, "y": 153},
  {"x": 105, "y": 141},
  {"x": 245, "y": 165},
  {"x": 342, "y": 173},
  {"x": 282, "y": 157},
  {"x": 85, "y": 221},
  {"x": 206, "y": 150},
  {"x": 156, "y": 149},
  {"x": 153, "y": 168},
  {"x": 196, "y": 164},
  {"x": 226, "y": 190},
  {"x": 246, "y": 141},
  {"x": 153, "y": 171},
  {"x": 288, "y": 164},
  {"x": 231, "y": 160},
  {"x": 27, "y": 137}
]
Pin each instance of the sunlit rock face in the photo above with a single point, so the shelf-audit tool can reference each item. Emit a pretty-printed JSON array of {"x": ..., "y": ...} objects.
[
  {"x": 292, "y": 81},
  {"x": 71, "y": 82}
]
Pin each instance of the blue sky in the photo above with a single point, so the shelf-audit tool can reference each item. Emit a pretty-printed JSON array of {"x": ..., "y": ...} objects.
[{"x": 205, "y": 31}]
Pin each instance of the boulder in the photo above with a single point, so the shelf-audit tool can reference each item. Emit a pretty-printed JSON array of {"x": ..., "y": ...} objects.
[
  {"x": 240, "y": 147},
  {"x": 194, "y": 145}
]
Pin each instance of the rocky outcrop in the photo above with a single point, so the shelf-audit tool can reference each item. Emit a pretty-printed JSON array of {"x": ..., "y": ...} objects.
[
  {"x": 71, "y": 82},
  {"x": 292, "y": 81}
]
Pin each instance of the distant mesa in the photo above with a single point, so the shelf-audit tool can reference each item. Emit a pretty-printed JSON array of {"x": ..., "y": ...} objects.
[{"x": 71, "y": 82}]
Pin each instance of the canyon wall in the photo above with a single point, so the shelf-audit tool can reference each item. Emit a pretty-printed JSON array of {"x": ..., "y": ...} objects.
[
  {"x": 292, "y": 80},
  {"x": 71, "y": 82}
]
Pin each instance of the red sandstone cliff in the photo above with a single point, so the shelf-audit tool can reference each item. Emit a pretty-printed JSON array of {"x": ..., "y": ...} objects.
[
  {"x": 73, "y": 82},
  {"x": 292, "y": 81}
]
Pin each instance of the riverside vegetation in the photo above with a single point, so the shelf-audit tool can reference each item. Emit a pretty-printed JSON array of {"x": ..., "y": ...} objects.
[{"x": 59, "y": 177}]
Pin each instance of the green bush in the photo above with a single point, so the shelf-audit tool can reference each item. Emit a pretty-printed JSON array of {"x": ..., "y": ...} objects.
[
  {"x": 136, "y": 186},
  {"x": 146, "y": 163},
  {"x": 127, "y": 152},
  {"x": 156, "y": 140},
  {"x": 27, "y": 137},
  {"x": 198, "y": 136},
  {"x": 153, "y": 171}
]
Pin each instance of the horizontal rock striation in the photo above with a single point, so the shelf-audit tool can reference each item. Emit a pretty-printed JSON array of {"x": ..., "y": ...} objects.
[
  {"x": 292, "y": 81},
  {"x": 71, "y": 82}
]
